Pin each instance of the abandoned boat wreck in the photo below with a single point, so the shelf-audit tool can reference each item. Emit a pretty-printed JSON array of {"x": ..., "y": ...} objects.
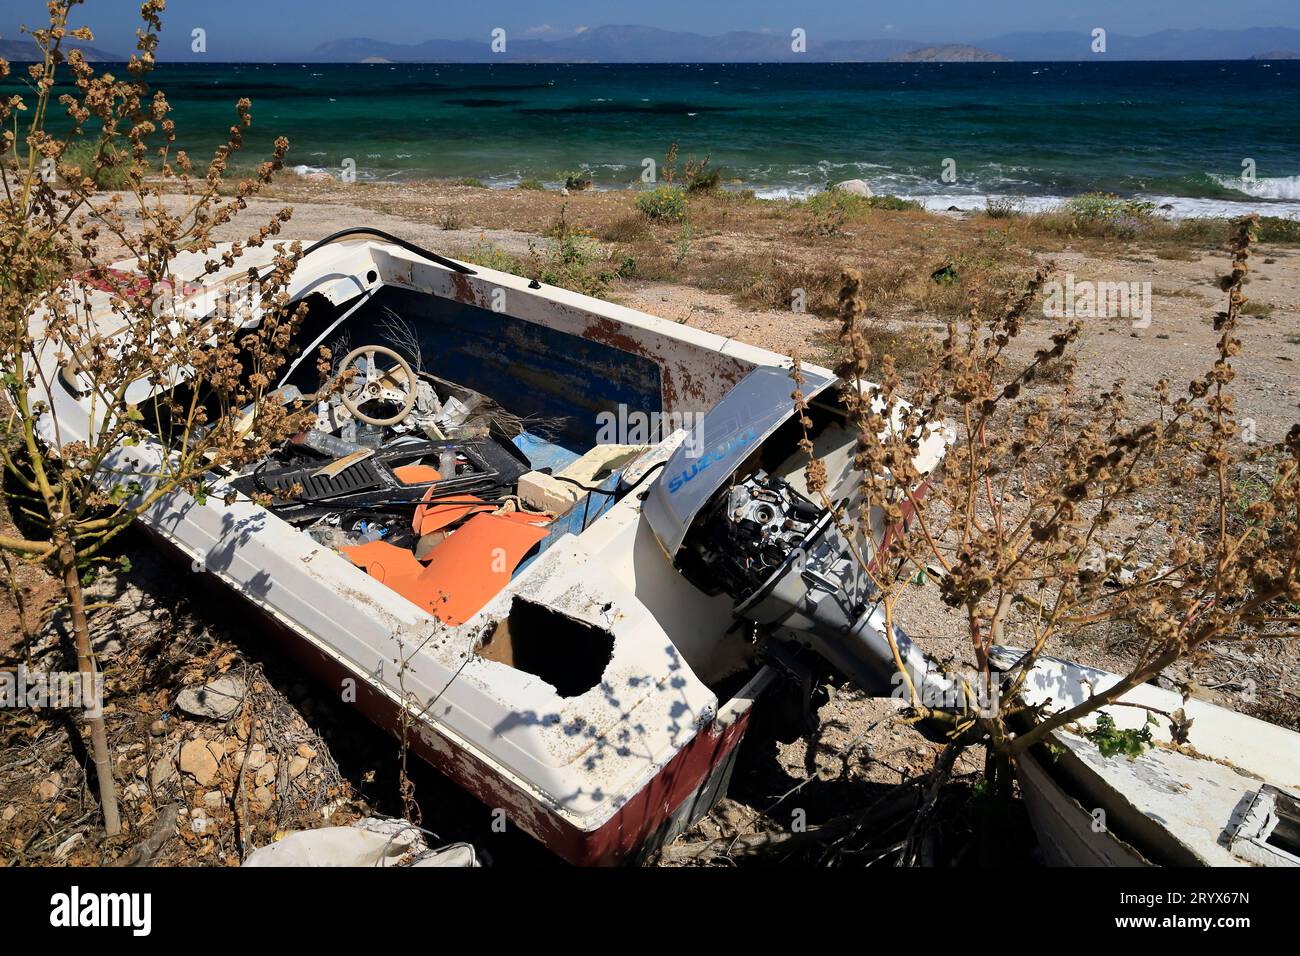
[
  {"x": 1228, "y": 795},
  {"x": 528, "y": 522}
]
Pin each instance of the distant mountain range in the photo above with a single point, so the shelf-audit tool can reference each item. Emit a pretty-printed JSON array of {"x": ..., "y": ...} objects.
[
  {"x": 640, "y": 44},
  {"x": 637, "y": 44},
  {"x": 25, "y": 51}
]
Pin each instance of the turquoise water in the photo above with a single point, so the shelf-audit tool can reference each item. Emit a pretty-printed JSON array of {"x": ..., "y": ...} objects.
[{"x": 1176, "y": 132}]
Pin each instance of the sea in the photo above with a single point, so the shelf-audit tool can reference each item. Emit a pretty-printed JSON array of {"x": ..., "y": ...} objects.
[{"x": 1199, "y": 138}]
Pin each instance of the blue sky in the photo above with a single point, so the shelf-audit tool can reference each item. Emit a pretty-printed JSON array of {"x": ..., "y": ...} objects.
[{"x": 243, "y": 29}]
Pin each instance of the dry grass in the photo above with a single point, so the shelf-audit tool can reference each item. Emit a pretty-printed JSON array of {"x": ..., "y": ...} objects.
[{"x": 765, "y": 254}]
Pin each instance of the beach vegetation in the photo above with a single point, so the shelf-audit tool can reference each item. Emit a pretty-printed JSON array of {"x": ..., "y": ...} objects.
[
  {"x": 575, "y": 261},
  {"x": 1035, "y": 520},
  {"x": 682, "y": 245},
  {"x": 1108, "y": 214},
  {"x": 1110, "y": 218},
  {"x": 663, "y": 204},
  {"x": 702, "y": 177},
  {"x": 668, "y": 168},
  {"x": 568, "y": 256},
  {"x": 837, "y": 202},
  {"x": 576, "y": 180},
  {"x": 629, "y": 228},
  {"x": 894, "y": 203},
  {"x": 101, "y": 159},
  {"x": 471, "y": 182},
  {"x": 67, "y": 506},
  {"x": 532, "y": 183},
  {"x": 491, "y": 256},
  {"x": 831, "y": 209},
  {"x": 1276, "y": 229},
  {"x": 1002, "y": 207}
]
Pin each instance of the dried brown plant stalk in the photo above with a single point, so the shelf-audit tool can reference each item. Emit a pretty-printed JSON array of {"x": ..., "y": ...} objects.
[
  {"x": 1047, "y": 494},
  {"x": 192, "y": 379}
]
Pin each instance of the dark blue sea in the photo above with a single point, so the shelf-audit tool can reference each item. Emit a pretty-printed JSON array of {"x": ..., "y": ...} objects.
[{"x": 1178, "y": 133}]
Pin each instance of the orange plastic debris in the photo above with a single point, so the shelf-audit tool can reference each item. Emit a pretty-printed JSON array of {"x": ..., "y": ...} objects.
[
  {"x": 385, "y": 562},
  {"x": 464, "y": 572},
  {"x": 416, "y": 474},
  {"x": 470, "y": 567},
  {"x": 434, "y": 517}
]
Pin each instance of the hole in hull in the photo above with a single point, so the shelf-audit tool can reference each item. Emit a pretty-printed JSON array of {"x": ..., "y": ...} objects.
[{"x": 568, "y": 654}]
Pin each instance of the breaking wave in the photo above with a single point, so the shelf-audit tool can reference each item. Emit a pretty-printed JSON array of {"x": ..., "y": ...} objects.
[{"x": 1269, "y": 187}]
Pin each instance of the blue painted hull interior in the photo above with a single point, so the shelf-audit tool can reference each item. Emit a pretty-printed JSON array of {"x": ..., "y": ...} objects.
[
  {"x": 556, "y": 382},
  {"x": 535, "y": 372},
  {"x": 543, "y": 454}
]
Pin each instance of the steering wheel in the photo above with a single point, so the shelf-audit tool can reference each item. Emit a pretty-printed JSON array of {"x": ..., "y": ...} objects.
[{"x": 379, "y": 385}]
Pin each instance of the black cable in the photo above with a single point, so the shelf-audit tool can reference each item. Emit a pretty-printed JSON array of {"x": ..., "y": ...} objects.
[
  {"x": 609, "y": 491},
  {"x": 386, "y": 237}
]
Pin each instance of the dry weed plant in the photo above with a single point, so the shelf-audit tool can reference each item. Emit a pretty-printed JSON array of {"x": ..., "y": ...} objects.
[
  {"x": 186, "y": 381},
  {"x": 1055, "y": 512}
]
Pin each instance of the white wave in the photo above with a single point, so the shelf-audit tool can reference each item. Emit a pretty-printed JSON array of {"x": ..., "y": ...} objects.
[
  {"x": 1175, "y": 207},
  {"x": 1184, "y": 207},
  {"x": 1268, "y": 187},
  {"x": 785, "y": 192},
  {"x": 976, "y": 202}
]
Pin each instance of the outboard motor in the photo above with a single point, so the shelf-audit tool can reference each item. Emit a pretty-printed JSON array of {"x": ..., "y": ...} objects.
[{"x": 733, "y": 513}]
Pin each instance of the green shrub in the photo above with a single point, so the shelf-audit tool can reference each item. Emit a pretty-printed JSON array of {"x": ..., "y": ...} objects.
[
  {"x": 470, "y": 181},
  {"x": 533, "y": 184},
  {"x": 574, "y": 260},
  {"x": 1112, "y": 741},
  {"x": 1274, "y": 229},
  {"x": 490, "y": 256},
  {"x": 663, "y": 204},
  {"x": 701, "y": 177},
  {"x": 1001, "y": 208},
  {"x": 571, "y": 259},
  {"x": 629, "y": 228},
  {"x": 115, "y": 175},
  {"x": 837, "y": 203},
  {"x": 1092, "y": 206},
  {"x": 682, "y": 245},
  {"x": 831, "y": 208},
  {"x": 1108, "y": 214}
]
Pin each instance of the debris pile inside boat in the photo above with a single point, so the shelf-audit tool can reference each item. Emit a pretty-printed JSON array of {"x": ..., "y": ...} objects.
[{"x": 425, "y": 484}]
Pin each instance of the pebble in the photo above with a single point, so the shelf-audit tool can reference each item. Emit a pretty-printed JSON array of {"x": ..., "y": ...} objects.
[{"x": 218, "y": 699}]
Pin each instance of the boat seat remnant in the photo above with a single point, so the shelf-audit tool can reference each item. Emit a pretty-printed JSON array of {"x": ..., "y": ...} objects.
[
  {"x": 568, "y": 654},
  {"x": 559, "y": 492}
]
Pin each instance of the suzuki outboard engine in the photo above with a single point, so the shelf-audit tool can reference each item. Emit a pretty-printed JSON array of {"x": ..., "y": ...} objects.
[{"x": 732, "y": 511}]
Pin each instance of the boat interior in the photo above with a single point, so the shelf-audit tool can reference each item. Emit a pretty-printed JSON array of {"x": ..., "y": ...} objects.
[{"x": 463, "y": 442}]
